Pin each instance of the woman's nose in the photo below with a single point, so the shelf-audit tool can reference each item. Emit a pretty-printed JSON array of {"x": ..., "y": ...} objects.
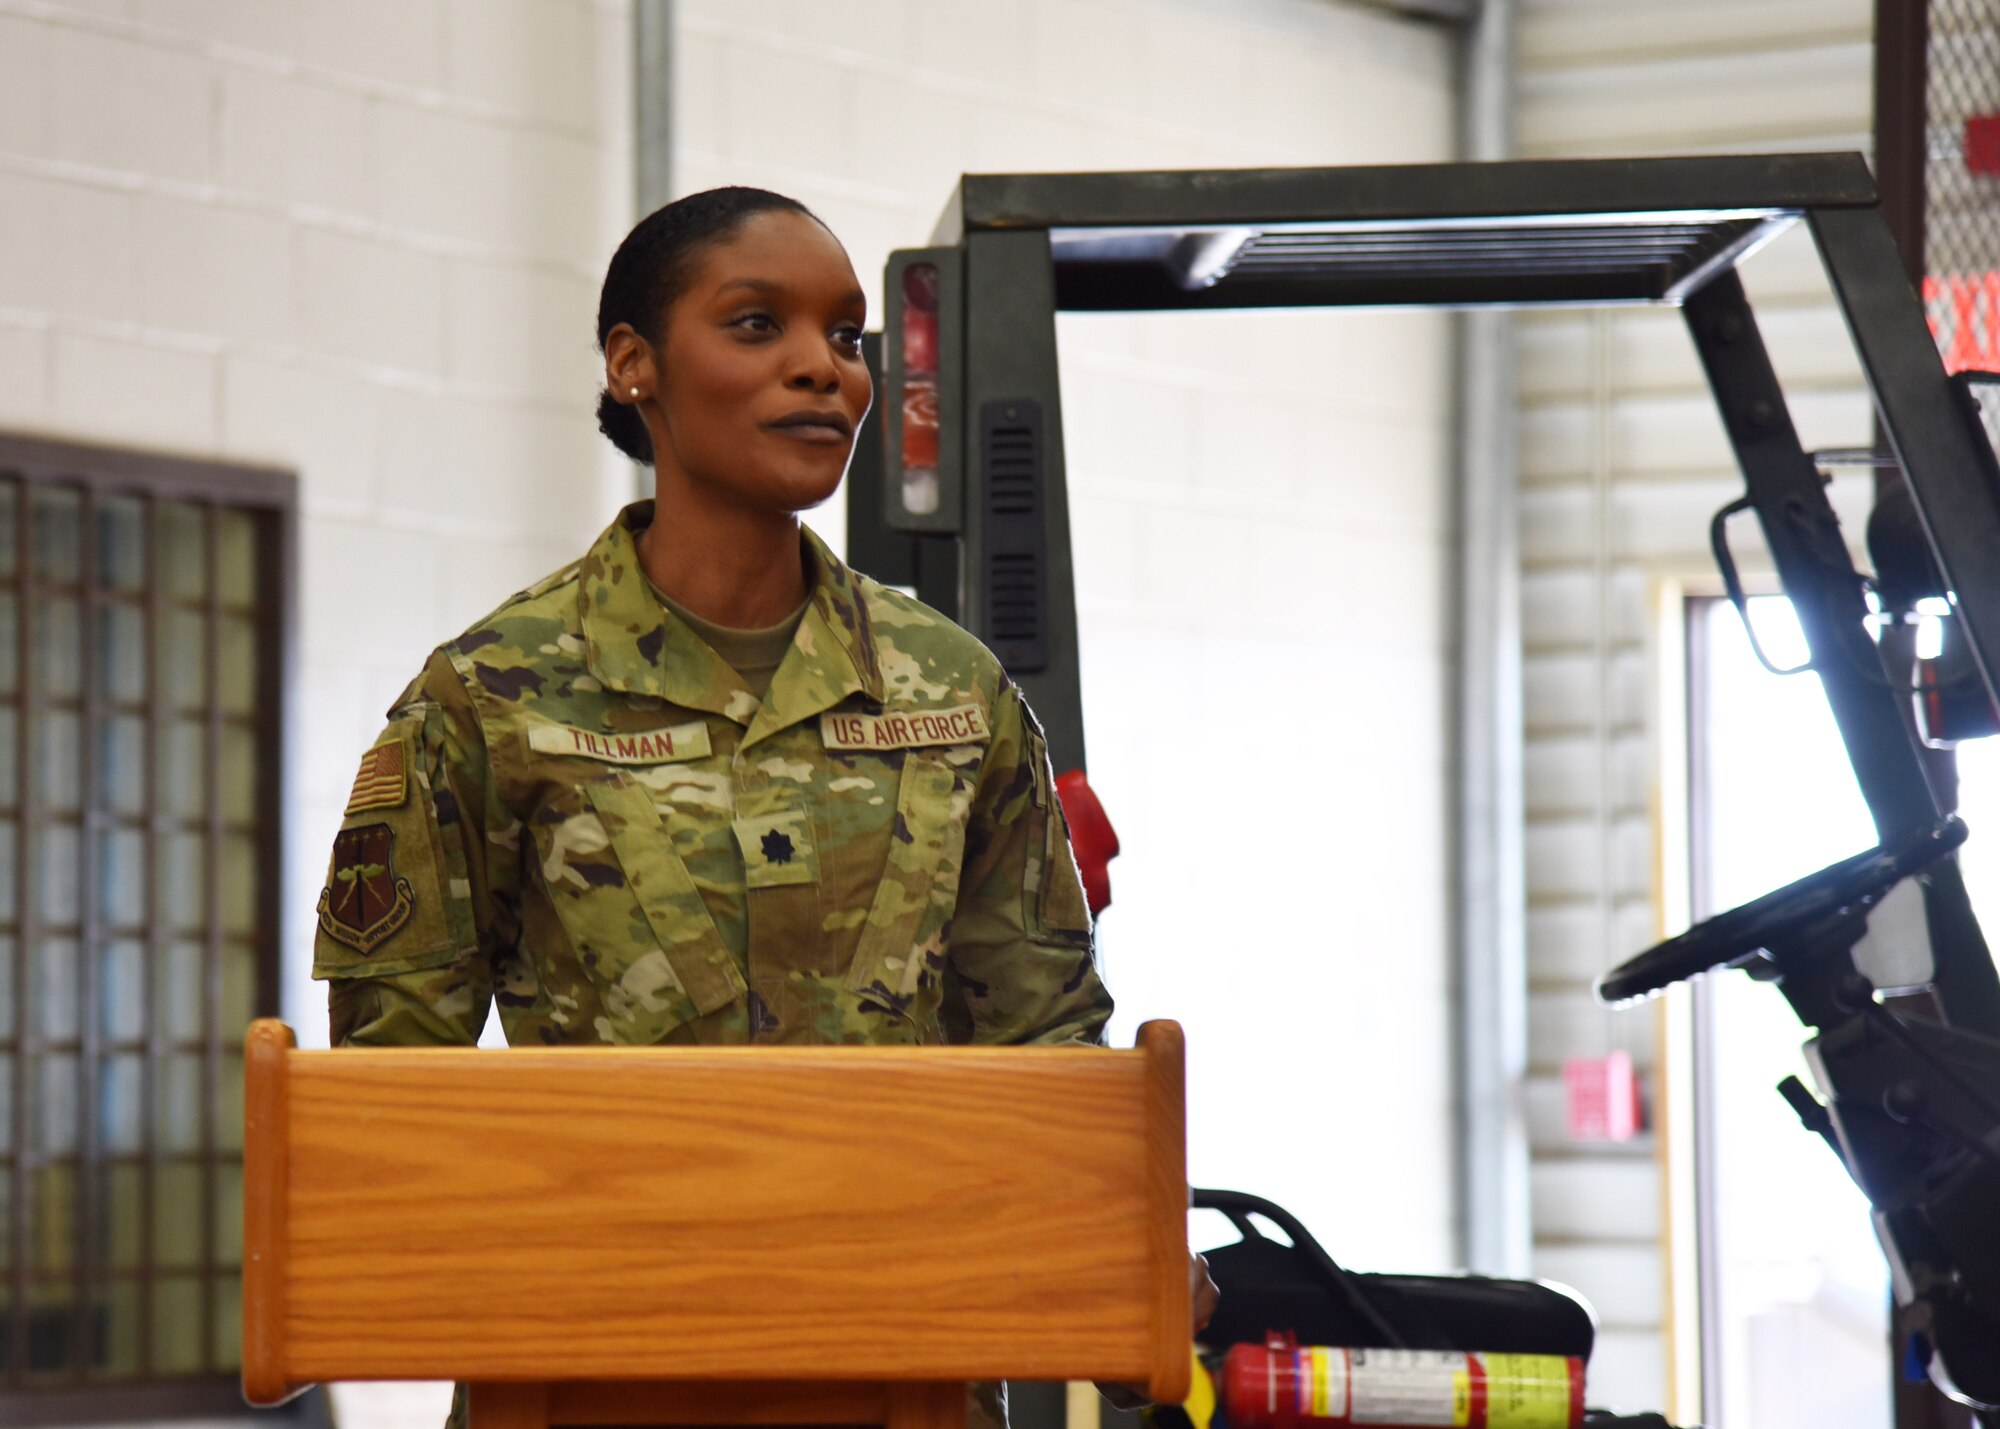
[{"x": 815, "y": 371}]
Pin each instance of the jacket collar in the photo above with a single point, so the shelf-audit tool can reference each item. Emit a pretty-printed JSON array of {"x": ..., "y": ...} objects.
[{"x": 636, "y": 645}]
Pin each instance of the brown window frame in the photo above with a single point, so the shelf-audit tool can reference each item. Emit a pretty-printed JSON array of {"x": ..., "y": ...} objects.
[{"x": 270, "y": 496}]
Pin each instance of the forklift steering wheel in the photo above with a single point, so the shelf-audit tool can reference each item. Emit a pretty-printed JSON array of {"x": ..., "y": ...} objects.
[{"x": 1731, "y": 938}]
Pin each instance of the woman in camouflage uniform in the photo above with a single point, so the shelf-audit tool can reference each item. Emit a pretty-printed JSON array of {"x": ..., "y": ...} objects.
[{"x": 708, "y": 784}]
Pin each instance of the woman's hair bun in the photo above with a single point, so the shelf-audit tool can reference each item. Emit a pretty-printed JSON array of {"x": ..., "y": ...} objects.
[
  {"x": 651, "y": 269},
  {"x": 625, "y": 427}
]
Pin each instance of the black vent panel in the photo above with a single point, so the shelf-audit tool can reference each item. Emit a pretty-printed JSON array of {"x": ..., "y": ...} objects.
[
  {"x": 1014, "y": 598},
  {"x": 1016, "y": 565}
]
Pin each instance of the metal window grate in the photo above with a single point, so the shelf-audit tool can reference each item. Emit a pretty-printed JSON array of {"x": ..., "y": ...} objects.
[
  {"x": 140, "y": 623},
  {"x": 1962, "y": 181}
]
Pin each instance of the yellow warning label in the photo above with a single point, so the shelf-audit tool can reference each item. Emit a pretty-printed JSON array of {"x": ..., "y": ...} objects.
[
  {"x": 1527, "y": 1391},
  {"x": 1326, "y": 1383}
]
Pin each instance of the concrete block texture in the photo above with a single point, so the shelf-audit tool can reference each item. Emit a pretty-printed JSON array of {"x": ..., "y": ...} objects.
[
  {"x": 791, "y": 111},
  {"x": 986, "y": 44},
  {"x": 135, "y": 394},
  {"x": 1624, "y": 1284},
  {"x": 492, "y": 188},
  {"x": 1702, "y": 102},
  {"x": 359, "y": 575},
  {"x": 215, "y": 271},
  {"x": 912, "y": 138},
  {"x": 298, "y": 143},
  {"x": 491, "y": 467},
  {"x": 523, "y": 331},
  {"x": 24, "y": 377},
  {"x": 531, "y": 59},
  {"x": 24, "y": 87},
  {"x": 321, "y": 423},
  {"x": 121, "y": 105},
  {"x": 371, "y": 301},
  {"x": 1627, "y": 1369},
  {"x": 1577, "y": 942},
  {"x": 445, "y": 174},
  {"x": 66, "y": 249},
  {"x": 396, "y": 42},
  {"x": 359, "y": 240},
  {"x": 1599, "y": 1200}
]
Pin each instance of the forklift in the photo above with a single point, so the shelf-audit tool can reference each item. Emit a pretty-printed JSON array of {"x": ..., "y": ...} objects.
[{"x": 958, "y": 492}]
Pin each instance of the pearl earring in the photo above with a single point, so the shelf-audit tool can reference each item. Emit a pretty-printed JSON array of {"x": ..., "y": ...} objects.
[{"x": 635, "y": 394}]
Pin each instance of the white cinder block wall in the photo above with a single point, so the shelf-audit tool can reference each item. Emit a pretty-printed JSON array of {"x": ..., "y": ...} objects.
[
  {"x": 358, "y": 240},
  {"x": 1623, "y": 460},
  {"x": 1259, "y": 520}
]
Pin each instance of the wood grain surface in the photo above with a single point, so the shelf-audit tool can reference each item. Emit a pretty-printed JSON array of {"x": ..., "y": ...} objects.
[
  {"x": 675, "y": 1403},
  {"x": 672, "y": 1404},
  {"x": 926, "y": 1406},
  {"x": 519, "y": 1406},
  {"x": 1164, "y": 1049},
  {"x": 850, "y": 1213},
  {"x": 267, "y": 1054}
]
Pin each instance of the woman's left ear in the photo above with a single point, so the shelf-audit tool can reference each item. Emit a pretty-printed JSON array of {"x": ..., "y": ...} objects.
[{"x": 628, "y": 365}]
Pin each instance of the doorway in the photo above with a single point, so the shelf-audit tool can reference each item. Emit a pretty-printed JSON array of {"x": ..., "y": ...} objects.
[{"x": 1793, "y": 1290}]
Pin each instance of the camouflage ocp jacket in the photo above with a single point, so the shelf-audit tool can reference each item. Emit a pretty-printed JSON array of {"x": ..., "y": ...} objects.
[{"x": 577, "y": 811}]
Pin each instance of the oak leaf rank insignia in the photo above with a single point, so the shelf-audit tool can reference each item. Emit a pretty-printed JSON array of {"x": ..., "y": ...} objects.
[
  {"x": 777, "y": 847},
  {"x": 365, "y": 902}
]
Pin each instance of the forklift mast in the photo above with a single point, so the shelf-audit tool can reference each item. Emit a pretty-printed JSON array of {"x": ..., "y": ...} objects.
[
  {"x": 964, "y": 500},
  {"x": 968, "y": 505}
]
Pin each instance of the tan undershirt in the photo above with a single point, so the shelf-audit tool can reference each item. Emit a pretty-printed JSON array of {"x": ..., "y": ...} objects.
[{"x": 753, "y": 654}]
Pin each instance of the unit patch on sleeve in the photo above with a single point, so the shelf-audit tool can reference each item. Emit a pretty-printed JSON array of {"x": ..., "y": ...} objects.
[
  {"x": 365, "y": 902},
  {"x": 653, "y": 746},
  {"x": 382, "y": 782},
  {"x": 912, "y": 729}
]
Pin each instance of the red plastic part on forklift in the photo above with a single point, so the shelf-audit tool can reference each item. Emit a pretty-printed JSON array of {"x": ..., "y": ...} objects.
[
  {"x": 1091, "y": 837},
  {"x": 1281, "y": 1385}
]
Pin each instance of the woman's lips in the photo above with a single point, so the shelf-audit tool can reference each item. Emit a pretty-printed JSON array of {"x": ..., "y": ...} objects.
[{"x": 812, "y": 433}]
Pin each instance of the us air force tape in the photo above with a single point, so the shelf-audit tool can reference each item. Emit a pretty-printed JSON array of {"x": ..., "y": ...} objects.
[{"x": 908, "y": 729}]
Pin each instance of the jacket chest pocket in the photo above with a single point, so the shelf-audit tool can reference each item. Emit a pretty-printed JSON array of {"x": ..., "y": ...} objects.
[
  {"x": 635, "y": 916},
  {"x": 900, "y": 956}
]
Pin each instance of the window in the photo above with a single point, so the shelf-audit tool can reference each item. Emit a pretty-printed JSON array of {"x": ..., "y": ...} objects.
[{"x": 142, "y": 610}]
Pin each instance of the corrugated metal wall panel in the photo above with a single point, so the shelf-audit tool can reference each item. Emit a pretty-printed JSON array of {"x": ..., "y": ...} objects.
[{"x": 1622, "y": 462}]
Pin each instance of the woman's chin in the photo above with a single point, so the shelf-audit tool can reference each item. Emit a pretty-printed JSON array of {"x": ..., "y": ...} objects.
[
  {"x": 784, "y": 487},
  {"x": 803, "y": 487}
]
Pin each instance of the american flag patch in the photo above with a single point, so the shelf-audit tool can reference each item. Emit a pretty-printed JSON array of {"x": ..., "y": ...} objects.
[{"x": 380, "y": 782}]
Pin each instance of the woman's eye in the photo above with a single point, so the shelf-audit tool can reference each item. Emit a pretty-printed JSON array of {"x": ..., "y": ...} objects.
[
  {"x": 755, "y": 322},
  {"x": 848, "y": 338}
]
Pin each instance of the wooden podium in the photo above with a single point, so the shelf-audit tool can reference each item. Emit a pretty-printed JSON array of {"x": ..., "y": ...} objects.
[{"x": 741, "y": 1235}]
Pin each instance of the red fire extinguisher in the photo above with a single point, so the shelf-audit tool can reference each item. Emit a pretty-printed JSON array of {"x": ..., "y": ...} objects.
[{"x": 1281, "y": 1385}]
